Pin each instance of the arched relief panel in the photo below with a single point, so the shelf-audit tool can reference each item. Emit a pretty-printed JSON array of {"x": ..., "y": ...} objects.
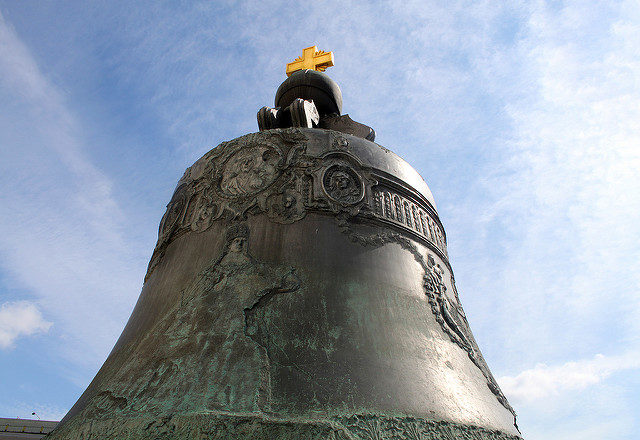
[{"x": 407, "y": 212}]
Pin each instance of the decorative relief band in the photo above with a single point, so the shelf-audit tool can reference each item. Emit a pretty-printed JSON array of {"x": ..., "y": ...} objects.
[
  {"x": 271, "y": 172},
  {"x": 372, "y": 427},
  {"x": 393, "y": 207},
  {"x": 212, "y": 425}
]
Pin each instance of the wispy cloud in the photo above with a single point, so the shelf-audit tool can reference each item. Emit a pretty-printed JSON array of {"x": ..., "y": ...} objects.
[
  {"x": 558, "y": 208},
  {"x": 543, "y": 382},
  {"x": 20, "y": 318},
  {"x": 588, "y": 399},
  {"x": 67, "y": 239},
  {"x": 555, "y": 268}
]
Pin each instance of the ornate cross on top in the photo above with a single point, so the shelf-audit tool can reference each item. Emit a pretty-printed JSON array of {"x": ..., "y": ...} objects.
[{"x": 311, "y": 58}]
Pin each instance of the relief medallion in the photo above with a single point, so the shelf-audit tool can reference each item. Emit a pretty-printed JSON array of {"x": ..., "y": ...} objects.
[
  {"x": 343, "y": 184},
  {"x": 250, "y": 170}
]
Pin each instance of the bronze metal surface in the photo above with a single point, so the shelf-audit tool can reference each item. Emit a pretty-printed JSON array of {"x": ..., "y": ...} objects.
[{"x": 300, "y": 288}]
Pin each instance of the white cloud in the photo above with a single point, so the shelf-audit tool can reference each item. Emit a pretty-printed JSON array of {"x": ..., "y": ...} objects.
[
  {"x": 543, "y": 382},
  {"x": 589, "y": 399},
  {"x": 552, "y": 253},
  {"x": 560, "y": 207},
  {"x": 68, "y": 238},
  {"x": 20, "y": 318}
]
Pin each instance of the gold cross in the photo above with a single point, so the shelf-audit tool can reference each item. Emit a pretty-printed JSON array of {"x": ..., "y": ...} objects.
[{"x": 311, "y": 58}]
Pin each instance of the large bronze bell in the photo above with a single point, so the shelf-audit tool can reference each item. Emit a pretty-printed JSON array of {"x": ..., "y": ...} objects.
[{"x": 300, "y": 289}]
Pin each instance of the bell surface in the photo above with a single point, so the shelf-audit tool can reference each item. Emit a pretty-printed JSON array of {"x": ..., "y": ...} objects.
[{"x": 300, "y": 289}]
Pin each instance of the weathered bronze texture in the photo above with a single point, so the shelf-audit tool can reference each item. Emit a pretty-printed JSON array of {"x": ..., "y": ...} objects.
[
  {"x": 300, "y": 289},
  {"x": 345, "y": 124}
]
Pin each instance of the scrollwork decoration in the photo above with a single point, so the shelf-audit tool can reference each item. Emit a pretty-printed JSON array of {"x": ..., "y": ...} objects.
[
  {"x": 268, "y": 172},
  {"x": 272, "y": 173}
]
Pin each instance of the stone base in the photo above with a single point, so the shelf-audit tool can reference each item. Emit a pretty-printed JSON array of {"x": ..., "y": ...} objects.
[{"x": 219, "y": 426}]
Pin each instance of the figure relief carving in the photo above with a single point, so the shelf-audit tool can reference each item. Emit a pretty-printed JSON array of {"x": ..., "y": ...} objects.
[
  {"x": 343, "y": 184},
  {"x": 205, "y": 210},
  {"x": 233, "y": 178},
  {"x": 286, "y": 205},
  {"x": 250, "y": 170},
  {"x": 222, "y": 305},
  {"x": 270, "y": 172}
]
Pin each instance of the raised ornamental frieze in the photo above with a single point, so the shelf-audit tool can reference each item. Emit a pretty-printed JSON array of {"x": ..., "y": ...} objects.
[
  {"x": 261, "y": 172},
  {"x": 218, "y": 425},
  {"x": 401, "y": 210},
  {"x": 250, "y": 170},
  {"x": 372, "y": 427},
  {"x": 272, "y": 173},
  {"x": 241, "y": 287}
]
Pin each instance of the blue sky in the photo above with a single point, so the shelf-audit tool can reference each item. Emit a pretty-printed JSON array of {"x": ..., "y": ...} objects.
[{"x": 523, "y": 118}]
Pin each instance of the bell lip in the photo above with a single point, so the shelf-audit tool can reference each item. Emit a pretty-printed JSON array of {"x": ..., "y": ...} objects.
[{"x": 313, "y": 79}]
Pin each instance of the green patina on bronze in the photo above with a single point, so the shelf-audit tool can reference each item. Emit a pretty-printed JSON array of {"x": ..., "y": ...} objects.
[
  {"x": 300, "y": 288},
  {"x": 215, "y": 426}
]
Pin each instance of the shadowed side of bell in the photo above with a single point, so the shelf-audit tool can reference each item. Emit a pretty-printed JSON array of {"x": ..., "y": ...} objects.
[{"x": 300, "y": 288}]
